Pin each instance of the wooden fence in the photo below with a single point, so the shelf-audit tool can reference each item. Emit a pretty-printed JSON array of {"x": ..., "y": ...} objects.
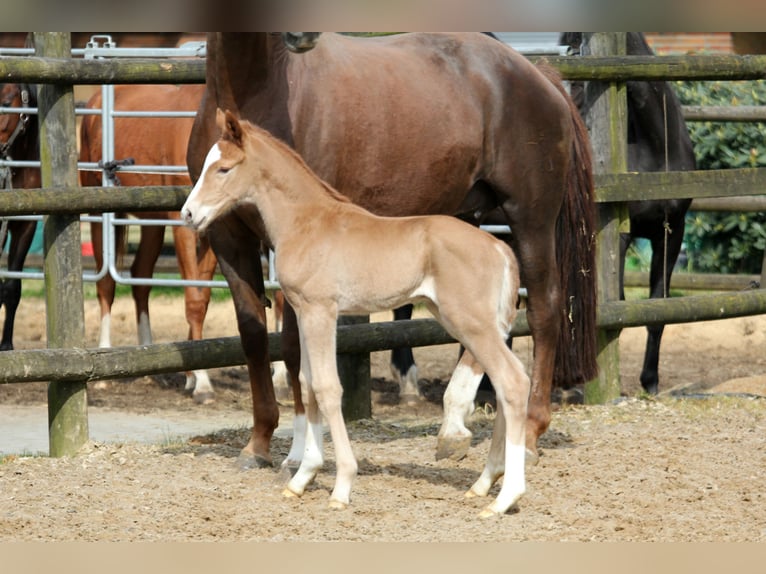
[{"x": 70, "y": 367}]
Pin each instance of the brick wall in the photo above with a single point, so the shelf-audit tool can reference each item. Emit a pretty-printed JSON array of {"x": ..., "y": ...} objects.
[{"x": 685, "y": 42}]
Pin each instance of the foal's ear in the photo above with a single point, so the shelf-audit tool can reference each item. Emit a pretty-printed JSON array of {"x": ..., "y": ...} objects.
[{"x": 229, "y": 124}]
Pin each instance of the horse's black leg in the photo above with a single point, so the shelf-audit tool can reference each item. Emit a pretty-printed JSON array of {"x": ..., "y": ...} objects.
[
  {"x": 659, "y": 282},
  {"x": 403, "y": 367},
  {"x": 625, "y": 240},
  {"x": 21, "y": 241}
]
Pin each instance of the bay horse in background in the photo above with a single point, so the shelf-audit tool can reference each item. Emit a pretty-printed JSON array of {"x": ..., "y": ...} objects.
[
  {"x": 417, "y": 124},
  {"x": 434, "y": 259},
  {"x": 658, "y": 140},
  {"x": 151, "y": 141},
  {"x": 19, "y": 140}
]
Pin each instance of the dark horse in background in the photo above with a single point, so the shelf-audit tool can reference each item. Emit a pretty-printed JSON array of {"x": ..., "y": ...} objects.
[
  {"x": 658, "y": 140},
  {"x": 18, "y": 141},
  {"x": 417, "y": 124}
]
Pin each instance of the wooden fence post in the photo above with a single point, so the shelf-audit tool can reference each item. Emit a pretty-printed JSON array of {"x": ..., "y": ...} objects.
[
  {"x": 354, "y": 373},
  {"x": 65, "y": 322},
  {"x": 607, "y": 125}
]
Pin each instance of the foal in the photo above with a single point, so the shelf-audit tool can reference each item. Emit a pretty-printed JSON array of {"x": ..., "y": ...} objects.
[{"x": 334, "y": 257}]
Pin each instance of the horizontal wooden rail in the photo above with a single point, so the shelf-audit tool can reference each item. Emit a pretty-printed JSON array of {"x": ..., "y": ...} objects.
[
  {"x": 724, "y": 113},
  {"x": 120, "y": 362},
  {"x": 180, "y": 71},
  {"x": 698, "y": 281},
  {"x": 686, "y": 67},
  {"x": 634, "y": 186},
  {"x": 92, "y": 199},
  {"x": 102, "y": 71}
]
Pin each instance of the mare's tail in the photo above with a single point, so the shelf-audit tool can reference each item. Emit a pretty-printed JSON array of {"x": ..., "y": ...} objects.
[{"x": 576, "y": 255}]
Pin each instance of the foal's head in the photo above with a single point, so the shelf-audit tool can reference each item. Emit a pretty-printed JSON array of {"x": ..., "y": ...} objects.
[{"x": 222, "y": 182}]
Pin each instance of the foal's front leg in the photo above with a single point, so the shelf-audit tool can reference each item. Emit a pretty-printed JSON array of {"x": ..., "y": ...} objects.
[{"x": 318, "y": 364}]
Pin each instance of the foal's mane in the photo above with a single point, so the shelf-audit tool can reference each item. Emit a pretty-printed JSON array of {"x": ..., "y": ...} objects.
[{"x": 269, "y": 139}]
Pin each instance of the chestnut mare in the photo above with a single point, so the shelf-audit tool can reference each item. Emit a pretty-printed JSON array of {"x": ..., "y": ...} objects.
[
  {"x": 364, "y": 263},
  {"x": 151, "y": 141},
  {"x": 18, "y": 141},
  {"x": 417, "y": 124}
]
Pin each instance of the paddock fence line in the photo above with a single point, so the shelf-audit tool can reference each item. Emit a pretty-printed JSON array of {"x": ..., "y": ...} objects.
[{"x": 58, "y": 199}]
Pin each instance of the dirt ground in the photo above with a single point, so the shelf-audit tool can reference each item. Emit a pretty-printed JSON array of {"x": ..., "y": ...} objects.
[{"x": 666, "y": 469}]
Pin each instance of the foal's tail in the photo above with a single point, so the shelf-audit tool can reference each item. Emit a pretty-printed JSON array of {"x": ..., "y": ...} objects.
[{"x": 576, "y": 255}]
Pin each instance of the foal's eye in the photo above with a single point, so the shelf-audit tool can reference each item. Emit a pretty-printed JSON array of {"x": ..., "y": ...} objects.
[{"x": 223, "y": 170}]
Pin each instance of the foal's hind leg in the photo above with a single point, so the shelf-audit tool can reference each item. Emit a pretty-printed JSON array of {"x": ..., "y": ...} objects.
[
  {"x": 507, "y": 450},
  {"x": 454, "y": 437}
]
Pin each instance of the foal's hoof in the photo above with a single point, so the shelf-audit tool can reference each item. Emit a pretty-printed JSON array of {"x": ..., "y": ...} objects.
[
  {"x": 490, "y": 512},
  {"x": 287, "y": 493},
  {"x": 337, "y": 505},
  {"x": 454, "y": 448},
  {"x": 204, "y": 398},
  {"x": 247, "y": 461}
]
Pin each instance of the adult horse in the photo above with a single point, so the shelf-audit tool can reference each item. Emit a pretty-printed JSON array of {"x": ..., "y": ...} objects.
[
  {"x": 18, "y": 141},
  {"x": 658, "y": 140},
  {"x": 417, "y": 124},
  {"x": 155, "y": 141}
]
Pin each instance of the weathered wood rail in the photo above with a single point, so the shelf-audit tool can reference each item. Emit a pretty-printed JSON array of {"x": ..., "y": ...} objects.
[{"x": 70, "y": 367}]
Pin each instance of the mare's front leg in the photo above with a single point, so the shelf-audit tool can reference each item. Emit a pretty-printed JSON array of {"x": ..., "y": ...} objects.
[
  {"x": 234, "y": 244},
  {"x": 317, "y": 327}
]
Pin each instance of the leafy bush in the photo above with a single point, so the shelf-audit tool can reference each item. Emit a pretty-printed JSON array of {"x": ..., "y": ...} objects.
[{"x": 725, "y": 242}]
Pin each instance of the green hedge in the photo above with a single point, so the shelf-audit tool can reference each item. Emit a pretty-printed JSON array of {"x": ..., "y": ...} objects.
[{"x": 725, "y": 242}]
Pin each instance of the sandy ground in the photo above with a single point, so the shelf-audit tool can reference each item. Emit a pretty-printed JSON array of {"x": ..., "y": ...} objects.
[{"x": 667, "y": 469}]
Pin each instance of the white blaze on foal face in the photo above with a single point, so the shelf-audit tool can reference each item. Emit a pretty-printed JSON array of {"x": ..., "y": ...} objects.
[{"x": 197, "y": 211}]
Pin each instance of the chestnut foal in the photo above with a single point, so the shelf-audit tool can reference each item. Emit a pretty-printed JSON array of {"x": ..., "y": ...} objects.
[{"x": 334, "y": 257}]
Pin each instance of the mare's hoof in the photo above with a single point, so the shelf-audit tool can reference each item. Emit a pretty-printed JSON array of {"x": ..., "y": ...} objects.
[
  {"x": 337, "y": 505},
  {"x": 454, "y": 448},
  {"x": 246, "y": 461},
  {"x": 204, "y": 398},
  {"x": 531, "y": 459}
]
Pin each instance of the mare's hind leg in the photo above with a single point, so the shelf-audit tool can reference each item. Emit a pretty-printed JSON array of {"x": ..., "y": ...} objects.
[{"x": 535, "y": 250}]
